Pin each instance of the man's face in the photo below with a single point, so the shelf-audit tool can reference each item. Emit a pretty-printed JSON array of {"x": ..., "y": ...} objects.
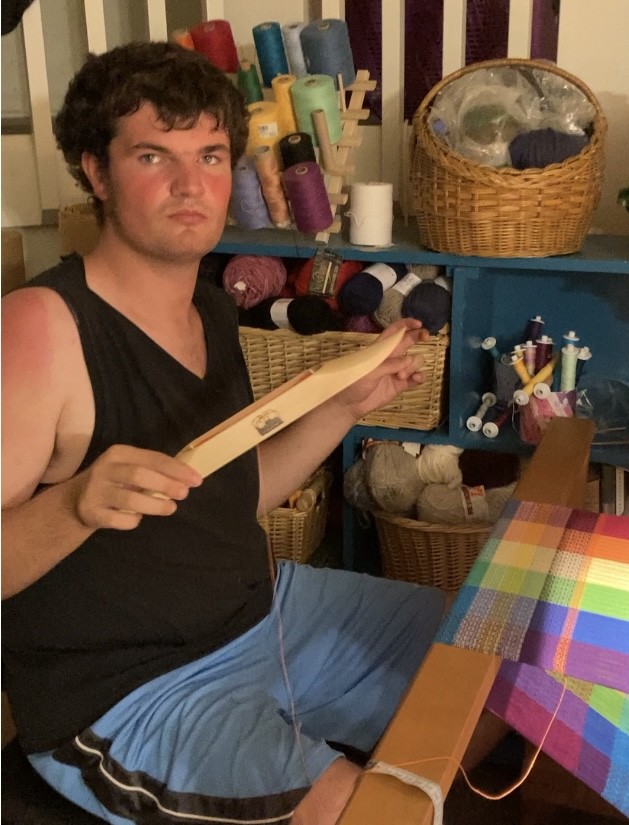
[{"x": 166, "y": 193}]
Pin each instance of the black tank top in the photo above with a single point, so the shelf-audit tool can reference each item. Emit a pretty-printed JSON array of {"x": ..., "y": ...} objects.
[{"x": 127, "y": 606}]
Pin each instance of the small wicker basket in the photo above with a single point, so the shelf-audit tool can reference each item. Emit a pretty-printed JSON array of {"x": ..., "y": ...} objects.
[
  {"x": 296, "y": 534},
  {"x": 470, "y": 209},
  {"x": 275, "y": 356},
  {"x": 440, "y": 555}
]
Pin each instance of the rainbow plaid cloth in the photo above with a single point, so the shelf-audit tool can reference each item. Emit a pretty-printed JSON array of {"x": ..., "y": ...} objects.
[{"x": 549, "y": 593}]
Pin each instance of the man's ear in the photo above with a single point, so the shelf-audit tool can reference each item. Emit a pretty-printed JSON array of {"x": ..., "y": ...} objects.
[{"x": 95, "y": 174}]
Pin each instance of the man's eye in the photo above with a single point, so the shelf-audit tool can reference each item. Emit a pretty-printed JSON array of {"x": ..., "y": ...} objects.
[
  {"x": 210, "y": 160},
  {"x": 149, "y": 158}
]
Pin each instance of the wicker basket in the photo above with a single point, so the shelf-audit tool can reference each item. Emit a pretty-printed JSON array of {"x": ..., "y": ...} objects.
[
  {"x": 296, "y": 534},
  {"x": 275, "y": 356},
  {"x": 471, "y": 209},
  {"x": 435, "y": 554}
]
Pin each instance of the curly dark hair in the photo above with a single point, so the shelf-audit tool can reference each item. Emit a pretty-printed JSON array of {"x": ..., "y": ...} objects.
[{"x": 180, "y": 83}]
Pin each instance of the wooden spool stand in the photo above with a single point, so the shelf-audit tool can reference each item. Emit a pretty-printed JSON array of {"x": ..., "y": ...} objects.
[{"x": 334, "y": 157}]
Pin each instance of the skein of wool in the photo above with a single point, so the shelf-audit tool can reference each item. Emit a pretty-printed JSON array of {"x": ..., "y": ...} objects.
[
  {"x": 362, "y": 293},
  {"x": 250, "y": 279},
  {"x": 439, "y": 464},
  {"x": 497, "y": 497},
  {"x": 390, "y": 307},
  {"x": 305, "y": 314},
  {"x": 392, "y": 478},
  {"x": 441, "y": 504},
  {"x": 429, "y": 302}
]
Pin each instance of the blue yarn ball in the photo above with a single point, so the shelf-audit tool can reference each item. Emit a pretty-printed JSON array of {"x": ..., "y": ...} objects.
[
  {"x": 362, "y": 293},
  {"x": 429, "y": 303}
]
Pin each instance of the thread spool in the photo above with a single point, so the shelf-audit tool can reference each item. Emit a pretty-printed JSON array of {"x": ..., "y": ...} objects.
[
  {"x": 543, "y": 351},
  {"x": 517, "y": 362},
  {"x": 529, "y": 357},
  {"x": 489, "y": 345},
  {"x": 571, "y": 338},
  {"x": 268, "y": 171},
  {"x": 521, "y": 397},
  {"x": 294, "y": 51},
  {"x": 534, "y": 328},
  {"x": 312, "y": 494},
  {"x": 286, "y": 116},
  {"x": 569, "y": 357},
  {"x": 475, "y": 422},
  {"x": 250, "y": 279},
  {"x": 297, "y": 148},
  {"x": 582, "y": 359},
  {"x": 267, "y": 38},
  {"x": 247, "y": 205},
  {"x": 310, "y": 94},
  {"x": 327, "y": 50},
  {"x": 214, "y": 39},
  {"x": 307, "y": 195},
  {"x": 371, "y": 214},
  {"x": 248, "y": 81},
  {"x": 390, "y": 307},
  {"x": 362, "y": 294},
  {"x": 491, "y": 429},
  {"x": 264, "y": 128}
]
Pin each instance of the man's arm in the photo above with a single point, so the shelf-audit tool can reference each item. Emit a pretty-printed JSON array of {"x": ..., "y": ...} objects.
[
  {"x": 47, "y": 419},
  {"x": 289, "y": 457}
]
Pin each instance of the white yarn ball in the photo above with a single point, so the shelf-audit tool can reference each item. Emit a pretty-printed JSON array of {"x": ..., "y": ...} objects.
[
  {"x": 439, "y": 464},
  {"x": 443, "y": 504}
]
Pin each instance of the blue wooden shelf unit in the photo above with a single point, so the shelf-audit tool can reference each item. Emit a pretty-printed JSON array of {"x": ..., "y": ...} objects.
[{"x": 587, "y": 292}]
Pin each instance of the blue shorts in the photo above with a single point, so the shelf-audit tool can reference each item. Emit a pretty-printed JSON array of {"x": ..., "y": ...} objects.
[{"x": 240, "y": 735}]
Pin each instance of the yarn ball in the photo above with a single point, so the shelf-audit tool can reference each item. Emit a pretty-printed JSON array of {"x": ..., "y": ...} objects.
[
  {"x": 361, "y": 323},
  {"x": 497, "y": 497},
  {"x": 538, "y": 148},
  {"x": 301, "y": 275},
  {"x": 439, "y": 464},
  {"x": 427, "y": 272},
  {"x": 390, "y": 308},
  {"x": 392, "y": 478},
  {"x": 355, "y": 490},
  {"x": 250, "y": 279},
  {"x": 429, "y": 303},
  {"x": 442, "y": 504},
  {"x": 362, "y": 293},
  {"x": 305, "y": 314}
]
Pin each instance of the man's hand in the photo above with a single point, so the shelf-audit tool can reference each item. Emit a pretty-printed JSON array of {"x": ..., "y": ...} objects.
[
  {"x": 126, "y": 483},
  {"x": 397, "y": 373}
]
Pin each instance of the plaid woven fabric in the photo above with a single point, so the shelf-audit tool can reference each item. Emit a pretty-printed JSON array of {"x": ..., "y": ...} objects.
[{"x": 549, "y": 593}]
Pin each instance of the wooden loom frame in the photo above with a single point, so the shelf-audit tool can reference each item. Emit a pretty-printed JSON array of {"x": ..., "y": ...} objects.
[{"x": 439, "y": 713}]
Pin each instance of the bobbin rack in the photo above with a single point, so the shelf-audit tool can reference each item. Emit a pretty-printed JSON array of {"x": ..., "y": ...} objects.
[{"x": 588, "y": 290}]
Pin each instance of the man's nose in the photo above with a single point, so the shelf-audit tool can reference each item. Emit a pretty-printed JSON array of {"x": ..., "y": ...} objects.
[{"x": 187, "y": 179}]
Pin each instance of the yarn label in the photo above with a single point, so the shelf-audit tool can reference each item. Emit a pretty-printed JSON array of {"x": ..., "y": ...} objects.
[
  {"x": 325, "y": 269},
  {"x": 474, "y": 503}
]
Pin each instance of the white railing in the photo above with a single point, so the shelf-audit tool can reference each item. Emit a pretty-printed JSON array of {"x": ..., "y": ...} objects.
[{"x": 388, "y": 149}]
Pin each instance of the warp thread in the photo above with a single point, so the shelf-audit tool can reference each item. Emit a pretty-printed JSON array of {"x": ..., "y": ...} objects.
[
  {"x": 214, "y": 39},
  {"x": 247, "y": 205},
  {"x": 297, "y": 148},
  {"x": 249, "y": 279},
  {"x": 268, "y": 171},
  {"x": 308, "y": 197},
  {"x": 269, "y": 44},
  {"x": 294, "y": 52},
  {"x": 327, "y": 50}
]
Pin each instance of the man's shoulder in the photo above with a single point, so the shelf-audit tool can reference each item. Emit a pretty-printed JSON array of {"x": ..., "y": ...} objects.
[{"x": 68, "y": 269}]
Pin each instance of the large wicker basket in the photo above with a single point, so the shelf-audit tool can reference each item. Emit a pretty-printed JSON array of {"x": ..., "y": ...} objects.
[
  {"x": 435, "y": 554},
  {"x": 275, "y": 356},
  {"x": 470, "y": 209},
  {"x": 296, "y": 534}
]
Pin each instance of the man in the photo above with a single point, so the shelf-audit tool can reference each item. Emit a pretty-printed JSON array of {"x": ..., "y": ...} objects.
[{"x": 158, "y": 668}]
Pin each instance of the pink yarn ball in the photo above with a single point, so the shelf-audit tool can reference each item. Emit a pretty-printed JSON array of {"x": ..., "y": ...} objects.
[
  {"x": 250, "y": 279},
  {"x": 361, "y": 323}
]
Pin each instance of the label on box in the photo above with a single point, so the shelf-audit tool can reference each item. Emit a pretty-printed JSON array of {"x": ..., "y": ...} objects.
[
  {"x": 474, "y": 503},
  {"x": 325, "y": 270}
]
